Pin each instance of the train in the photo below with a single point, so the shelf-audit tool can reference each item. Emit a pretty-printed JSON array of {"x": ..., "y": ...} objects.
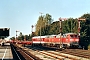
[{"x": 67, "y": 40}]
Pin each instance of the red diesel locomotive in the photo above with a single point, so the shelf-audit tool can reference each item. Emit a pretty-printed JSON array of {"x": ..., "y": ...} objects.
[{"x": 66, "y": 40}]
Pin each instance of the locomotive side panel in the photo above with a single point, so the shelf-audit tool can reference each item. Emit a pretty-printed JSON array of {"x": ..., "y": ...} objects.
[{"x": 68, "y": 40}]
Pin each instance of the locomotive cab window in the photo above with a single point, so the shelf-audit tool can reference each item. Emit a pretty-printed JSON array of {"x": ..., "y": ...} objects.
[
  {"x": 72, "y": 36},
  {"x": 76, "y": 36}
]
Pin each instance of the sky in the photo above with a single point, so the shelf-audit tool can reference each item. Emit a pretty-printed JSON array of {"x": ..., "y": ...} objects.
[{"x": 22, "y": 14}]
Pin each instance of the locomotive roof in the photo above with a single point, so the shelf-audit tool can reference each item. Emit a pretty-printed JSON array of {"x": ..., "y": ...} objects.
[
  {"x": 52, "y": 35},
  {"x": 40, "y": 36},
  {"x": 69, "y": 33},
  {"x": 44, "y": 36}
]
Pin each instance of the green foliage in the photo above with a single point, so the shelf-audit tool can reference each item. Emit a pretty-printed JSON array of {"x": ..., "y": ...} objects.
[
  {"x": 20, "y": 37},
  {"x": 48, "y": 19},
  {"x": 26, "y": 37},
  {"x": 54, "y": 28},
  {"x": 12, "y": 38},
  {"x": 42, "y": 23},
  {"x": 70, "y": 25},
  {"x": 85, "y": 29}
]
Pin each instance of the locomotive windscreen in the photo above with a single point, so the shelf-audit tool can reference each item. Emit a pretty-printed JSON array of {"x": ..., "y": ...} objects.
[
  {"x": 74, "y": 36},
  {"x": 4, "y": 31}
]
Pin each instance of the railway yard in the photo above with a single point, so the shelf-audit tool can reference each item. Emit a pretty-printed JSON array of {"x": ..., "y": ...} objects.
[
  {"x": 29, "y": 32},
  {"x": 28, "y": 52}
]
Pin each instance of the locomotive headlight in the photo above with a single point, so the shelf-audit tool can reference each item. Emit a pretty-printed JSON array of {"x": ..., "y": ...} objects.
[{"x": 71, "y": 39}]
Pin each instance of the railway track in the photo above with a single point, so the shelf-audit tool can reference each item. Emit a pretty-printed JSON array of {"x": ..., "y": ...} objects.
[
  {"x": 42, "y": 53},
  {"x": 65, "y": 54},
  {"x": 77, "y": 52},
  {"x": 16, "y": 54},
  {"x": 48, "y": 55},
  {"x": 24, "y": 53}
]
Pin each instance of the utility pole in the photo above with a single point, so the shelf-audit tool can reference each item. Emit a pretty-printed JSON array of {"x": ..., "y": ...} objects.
[
  {"x": 60, "y": 20},
  {"x": 40, "y": 28},
  {"x": 32, "y": 30},
  {"x": 16, "y": 36}
]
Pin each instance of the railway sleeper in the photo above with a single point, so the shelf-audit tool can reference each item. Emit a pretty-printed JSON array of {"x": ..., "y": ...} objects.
[{"x": 33, "y": 56}]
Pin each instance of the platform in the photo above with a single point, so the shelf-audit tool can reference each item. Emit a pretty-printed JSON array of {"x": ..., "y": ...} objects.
[{"x": 6, "y": 53}]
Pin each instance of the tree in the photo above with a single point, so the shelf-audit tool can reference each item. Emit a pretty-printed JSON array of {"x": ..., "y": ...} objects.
[
  {"x": 48, "y": 19},
  {"x": 30, "y": 37},
  {"x": 21, "y": 36},
  {"x": 85, "y": 29},
  {"x": 54, "y": 28},
  {"x": 12, "y": 38},
  {"x": 26, "y": 37},
  {"x": 70, "y": 26},
  {"x": 42, "y": 22}
]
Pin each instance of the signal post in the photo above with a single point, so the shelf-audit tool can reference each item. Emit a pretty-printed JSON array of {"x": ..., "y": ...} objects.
[
  {"x": 60, "y": 20},
  {"x": 61, "y": 42},
  {"x": 80, "y": 19},
  {"x": 16, "y": 36}
]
